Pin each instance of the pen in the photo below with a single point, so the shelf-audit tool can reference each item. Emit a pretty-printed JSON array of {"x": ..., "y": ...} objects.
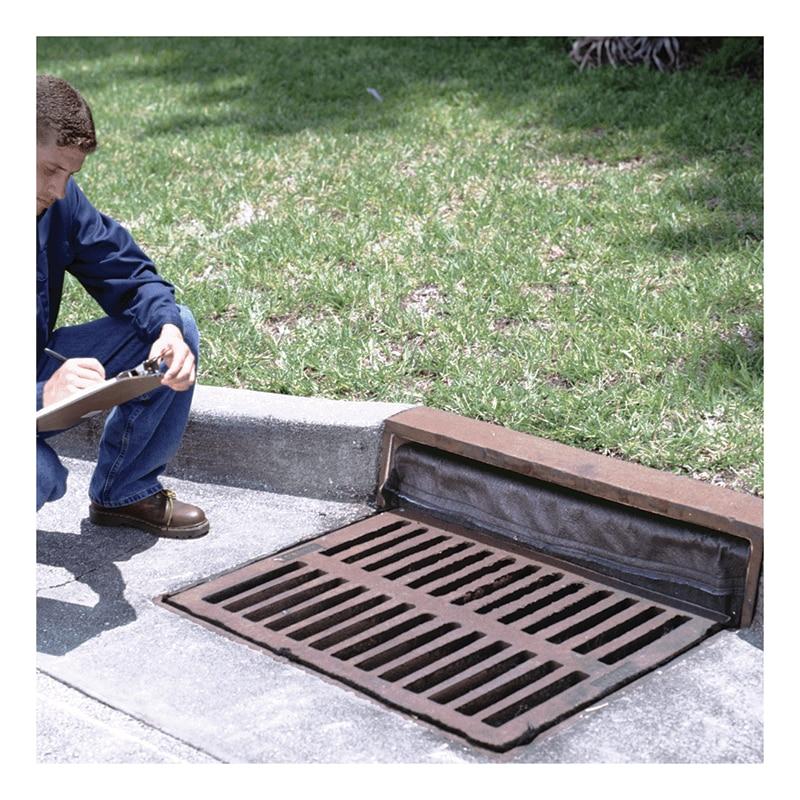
[
  {"x": 54, "y": 354},
  {"x": 148, "y": 365}
]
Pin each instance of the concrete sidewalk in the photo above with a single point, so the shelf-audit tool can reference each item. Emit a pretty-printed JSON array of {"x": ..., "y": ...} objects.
[{"x": 124, "y": 680}]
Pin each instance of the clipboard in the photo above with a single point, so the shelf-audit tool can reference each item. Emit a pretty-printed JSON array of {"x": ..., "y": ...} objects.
[{"x": 99, "y": 397}]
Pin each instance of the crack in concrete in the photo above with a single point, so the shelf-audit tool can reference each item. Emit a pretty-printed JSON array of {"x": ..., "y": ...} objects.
[
  {"x": 79, "y": 578},
  {"x": 55, "y": 586}
]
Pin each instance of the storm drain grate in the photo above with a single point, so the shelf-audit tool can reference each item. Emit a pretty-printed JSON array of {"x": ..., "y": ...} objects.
[{"x": 492, "y": 643}]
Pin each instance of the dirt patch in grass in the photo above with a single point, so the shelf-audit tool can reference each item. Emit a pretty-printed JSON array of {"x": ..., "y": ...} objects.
[
  {"x": 280, "y": 326},
  {"x": 713, "y": 420},
  {"x": 505, "y": 325},
  {"x": 214, "y": 272},
  {"x": 246, "y": 214},
  {"x": 555, "y": 252},
  {"x": 553, "y": 184},
  {"x": 423, "y": 300},
  {"x": 558, "y": 381},
  {"x": 231, "y": 312},
  {"x": 624, "y": 165},
  {"x": 728, "y": 479},
  {"x": 743, "y": 333},
  {"x": 544, "y": 291}
]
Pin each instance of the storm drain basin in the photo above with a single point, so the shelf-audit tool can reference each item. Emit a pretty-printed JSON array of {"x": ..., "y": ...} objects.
[
  {"x": 506, "y": 582},
  {"x": 492, "y": 643}
]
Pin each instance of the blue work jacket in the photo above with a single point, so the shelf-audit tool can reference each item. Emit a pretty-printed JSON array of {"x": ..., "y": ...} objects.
[{"x": 73, "y": 236}]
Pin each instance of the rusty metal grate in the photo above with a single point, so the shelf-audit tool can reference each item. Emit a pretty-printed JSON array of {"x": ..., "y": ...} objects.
[{"x": 491, "y": 642}]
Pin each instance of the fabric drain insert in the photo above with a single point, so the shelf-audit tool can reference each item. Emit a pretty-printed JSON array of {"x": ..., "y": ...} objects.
[{"x": 483, "y": 638}]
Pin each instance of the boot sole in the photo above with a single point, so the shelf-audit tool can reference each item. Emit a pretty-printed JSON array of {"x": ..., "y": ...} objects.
[{"x": 121, "y": 520}]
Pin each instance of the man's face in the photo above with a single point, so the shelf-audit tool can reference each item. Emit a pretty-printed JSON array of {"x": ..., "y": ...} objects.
[{"x": 54, "y": 166}]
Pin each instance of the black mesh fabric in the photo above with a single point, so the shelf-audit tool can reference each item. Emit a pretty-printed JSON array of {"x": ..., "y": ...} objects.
[{"x": 677, "y": 559}]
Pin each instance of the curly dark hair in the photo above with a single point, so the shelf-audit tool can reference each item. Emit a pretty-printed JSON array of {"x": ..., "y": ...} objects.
[{"x": 62, "y": 113}]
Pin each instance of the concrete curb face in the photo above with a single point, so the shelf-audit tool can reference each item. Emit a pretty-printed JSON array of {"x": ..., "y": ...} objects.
[{"x": 307, "y": 446}]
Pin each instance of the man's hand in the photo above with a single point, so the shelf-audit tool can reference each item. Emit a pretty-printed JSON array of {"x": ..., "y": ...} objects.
[
  {"x": 180, "y": 374},
  {"x": 72, "y": 376}
]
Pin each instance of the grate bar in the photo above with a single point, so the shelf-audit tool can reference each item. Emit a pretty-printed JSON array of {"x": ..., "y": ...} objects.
[
  {"x": 309, "y": 612},
  {"x": 533, "y": 697},
  {"x": 364, "y": 622},
  {"x": 509, "y": 688},
  {"x": 361, "y": 533},
  {"x": 564, "y": 609},
  {"x": 454, "y": 642},
  {"x": 506, "y": 668},
  {"x": 294, "y": 598},
  {"x": 473, "y": 660},
  {"x": 549, "y": 590},
  {"x": 402, "y": 557},
  {"x": 509, "y": 603},
  {"x": 273, "y": 589},
  {"x": 385, "y": 546},
  {"x": 473, "y": 578},
  {"x": 380, "y": 634},
  {"x": 608, "y": 611},
  {"x": 478, "y": 682},
  {"x": 640, "y": 637},
  {"x": 439, "y": 556},
  {"x": 448, "y": 569},
  {"x": 586, "y": 642},
  {"x": 339, "y": 618},
  {"x": 423, "y": 635},
  {"x": 647, "y": 618},
  {"x": 501, "y": 582},
  {"x": 233, "y": 584}
]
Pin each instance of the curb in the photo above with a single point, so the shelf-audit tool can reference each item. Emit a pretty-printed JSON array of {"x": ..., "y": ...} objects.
[{"x": 307, "y": 446}]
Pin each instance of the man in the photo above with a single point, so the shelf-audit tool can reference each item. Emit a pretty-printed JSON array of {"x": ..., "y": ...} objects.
[{"x": 142, "y": 321}]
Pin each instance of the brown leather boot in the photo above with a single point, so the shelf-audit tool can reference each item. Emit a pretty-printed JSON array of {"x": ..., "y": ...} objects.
[{"x": 160, "y": 514}]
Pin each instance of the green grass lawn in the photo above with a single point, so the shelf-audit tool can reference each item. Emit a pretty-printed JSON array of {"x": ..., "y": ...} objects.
[{"x": 576, "y": 255}]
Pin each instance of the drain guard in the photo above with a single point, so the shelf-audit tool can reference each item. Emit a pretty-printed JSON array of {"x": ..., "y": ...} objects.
[{"x": 490, "y": 641}]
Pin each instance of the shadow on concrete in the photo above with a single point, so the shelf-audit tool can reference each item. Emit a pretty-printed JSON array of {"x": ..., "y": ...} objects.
[{"x": 61, "y": 624}]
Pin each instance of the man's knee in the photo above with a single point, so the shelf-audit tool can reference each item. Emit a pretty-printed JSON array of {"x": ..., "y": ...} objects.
[
  {"x": 191, "y": 334},
  {"x": 51, "y": 475}
]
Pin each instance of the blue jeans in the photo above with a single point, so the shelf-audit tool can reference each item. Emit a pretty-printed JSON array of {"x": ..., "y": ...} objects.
[{"x": 140, "y": 436}]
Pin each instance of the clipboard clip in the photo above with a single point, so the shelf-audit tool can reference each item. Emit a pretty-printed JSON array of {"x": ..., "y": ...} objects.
[{"x": 148, "y": 367}]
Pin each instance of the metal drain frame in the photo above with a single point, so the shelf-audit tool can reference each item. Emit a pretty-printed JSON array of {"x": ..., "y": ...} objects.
[
  {"x": 672, "y": 496},
  {"x": 496, "y": 663}
]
